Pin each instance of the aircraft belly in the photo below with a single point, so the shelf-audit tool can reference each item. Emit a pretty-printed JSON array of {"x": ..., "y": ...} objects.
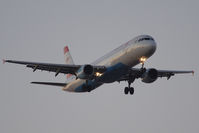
[
  {"x": 113, "y": 73},
  {"x": 78, "y": 85}
]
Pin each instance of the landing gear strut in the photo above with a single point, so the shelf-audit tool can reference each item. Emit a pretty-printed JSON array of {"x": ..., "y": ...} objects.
[{"x": 129, "y": 89}]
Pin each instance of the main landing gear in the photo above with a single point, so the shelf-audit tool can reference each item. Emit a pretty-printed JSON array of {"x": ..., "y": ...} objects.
[{"x": 129, "y": 89}]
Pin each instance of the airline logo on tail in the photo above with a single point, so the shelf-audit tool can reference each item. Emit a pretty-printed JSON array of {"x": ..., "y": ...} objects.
[{"x": 68, "y": 59}]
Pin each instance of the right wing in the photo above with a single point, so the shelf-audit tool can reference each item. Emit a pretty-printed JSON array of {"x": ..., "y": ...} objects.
[
  {"x": 57, "y": 68},
  {"x": 169, "y": 73},
  {"x": 137, "y": 73}
]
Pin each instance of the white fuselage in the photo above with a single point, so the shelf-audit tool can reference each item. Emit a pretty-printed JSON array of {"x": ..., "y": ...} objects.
[{"x": 127, "y": 55}]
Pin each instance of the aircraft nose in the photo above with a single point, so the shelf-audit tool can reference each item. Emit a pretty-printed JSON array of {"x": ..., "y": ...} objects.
[
  {"x": 150, "y": 48},
  {"x": 153, "y": 46}
]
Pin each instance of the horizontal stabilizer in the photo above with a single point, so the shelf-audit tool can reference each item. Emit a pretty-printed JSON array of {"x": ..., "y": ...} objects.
[{"x": 50, "y": 83}]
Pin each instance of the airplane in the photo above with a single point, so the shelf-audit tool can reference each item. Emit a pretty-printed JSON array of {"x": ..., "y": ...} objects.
[{"x": 116, "y": 66}]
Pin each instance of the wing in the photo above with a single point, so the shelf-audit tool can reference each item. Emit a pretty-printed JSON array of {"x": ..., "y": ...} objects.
[
  {"x": 137, "y": 73},
  {"x": 169, "y": 73},
  {"x": 57, "y": 68}
]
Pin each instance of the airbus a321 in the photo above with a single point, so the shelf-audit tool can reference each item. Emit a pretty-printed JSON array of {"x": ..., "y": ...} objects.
[{"x": 118, "y": 65}]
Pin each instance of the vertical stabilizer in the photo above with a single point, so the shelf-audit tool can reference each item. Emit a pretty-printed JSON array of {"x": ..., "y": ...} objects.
[
  {"x": 68, "y": 60},
  {"x": 67, "y": 56}
]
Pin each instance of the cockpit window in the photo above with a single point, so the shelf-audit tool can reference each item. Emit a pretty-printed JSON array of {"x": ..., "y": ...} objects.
[{"x": 142, "y": 39}]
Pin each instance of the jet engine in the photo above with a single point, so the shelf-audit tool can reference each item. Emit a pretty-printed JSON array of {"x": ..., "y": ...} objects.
[
  {"x": 150, "y": 75},
  {"x": 85, "y": 72}
]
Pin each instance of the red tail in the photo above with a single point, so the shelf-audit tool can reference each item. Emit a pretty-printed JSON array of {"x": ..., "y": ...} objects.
[{"x": 68, "y": 59}]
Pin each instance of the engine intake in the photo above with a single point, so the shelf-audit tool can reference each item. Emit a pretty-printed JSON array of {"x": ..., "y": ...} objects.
[
  {"x": 85, "y": 72},
  {"x": 88, "y": 69},
  {"x": 150, "y": 75}
]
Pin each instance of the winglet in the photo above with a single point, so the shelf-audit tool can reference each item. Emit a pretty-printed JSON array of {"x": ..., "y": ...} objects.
[{"x": 4, "y": 61}]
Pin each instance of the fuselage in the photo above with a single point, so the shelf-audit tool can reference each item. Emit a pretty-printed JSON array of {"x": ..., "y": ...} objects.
[{"x": 117, "y": 62}]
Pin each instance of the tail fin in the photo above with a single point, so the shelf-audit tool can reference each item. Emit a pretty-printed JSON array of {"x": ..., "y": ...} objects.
[{"x": 68, "y": 59}]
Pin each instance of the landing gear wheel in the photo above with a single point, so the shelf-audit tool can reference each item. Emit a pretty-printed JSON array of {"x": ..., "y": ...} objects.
[
  {"x": 131, "y": 90},
  {"x": 126, "y": 90}
]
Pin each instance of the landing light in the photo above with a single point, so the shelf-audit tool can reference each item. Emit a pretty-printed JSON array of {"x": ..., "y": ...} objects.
[
  {"x": 98, "y": 74},
  {"x": 142, "y": 60}
]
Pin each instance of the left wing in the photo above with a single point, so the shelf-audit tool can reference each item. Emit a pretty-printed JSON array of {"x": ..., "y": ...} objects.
[
  {"x": 137, "y": 73},
  {"x": 169, "y": 73},
  {"x": 57, "y": 68}
]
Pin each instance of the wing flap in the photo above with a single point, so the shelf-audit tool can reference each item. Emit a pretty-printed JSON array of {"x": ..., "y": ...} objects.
[
  {"x": 169, "y": 73},
  {"x": 57, "y": 68},
  {"x": 164, "y": 73}
]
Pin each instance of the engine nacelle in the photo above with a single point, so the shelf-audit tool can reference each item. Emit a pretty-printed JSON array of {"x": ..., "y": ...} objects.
[
  {"x": 85, "y": 72},
  {"x": 150, "y": 75}
]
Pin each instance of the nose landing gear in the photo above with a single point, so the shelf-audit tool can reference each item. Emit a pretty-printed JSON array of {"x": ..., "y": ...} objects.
[
  {"x": 131, "y": 78},
  {"x": 129, "y": 90}
]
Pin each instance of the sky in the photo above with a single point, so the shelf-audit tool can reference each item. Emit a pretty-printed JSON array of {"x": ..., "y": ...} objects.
[{"x": 37, "y": 30}]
